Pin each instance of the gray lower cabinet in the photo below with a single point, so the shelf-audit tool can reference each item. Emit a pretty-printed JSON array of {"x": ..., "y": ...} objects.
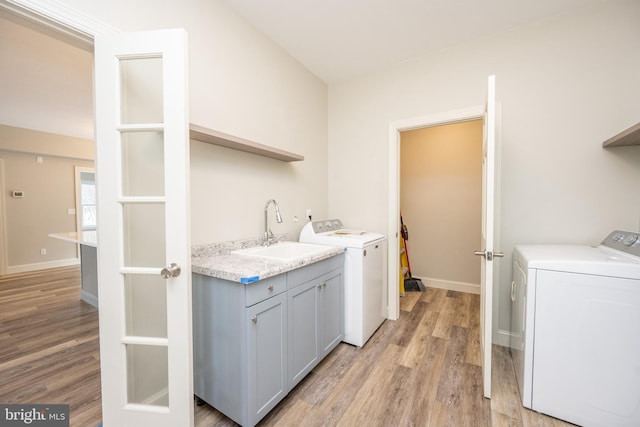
[
  {"x": 316, "y": 323},
  {"x": 266, "y": 355},
  {"x": 253, "y": 343}
]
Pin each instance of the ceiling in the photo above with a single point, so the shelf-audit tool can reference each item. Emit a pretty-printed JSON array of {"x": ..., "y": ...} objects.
[{"x": 342, "y": 39}]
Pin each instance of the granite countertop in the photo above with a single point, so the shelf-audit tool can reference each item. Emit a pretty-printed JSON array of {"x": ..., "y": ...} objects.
[
  {"x": 83, "y": 237},
  {"x": 217, "y": 260}
]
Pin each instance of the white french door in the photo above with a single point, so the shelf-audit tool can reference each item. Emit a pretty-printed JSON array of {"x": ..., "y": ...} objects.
[
  {"x": 144, "y": 263},
  {"x": 488, "y": 252}
]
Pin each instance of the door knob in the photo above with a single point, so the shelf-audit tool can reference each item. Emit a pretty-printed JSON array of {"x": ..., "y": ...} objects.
[
  {"x": 489, "y": 255},
  {"x": 170, "y": 271}
]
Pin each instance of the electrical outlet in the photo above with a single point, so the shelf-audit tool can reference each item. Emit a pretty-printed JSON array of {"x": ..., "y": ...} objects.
[
  {"x": 43, "y": 251},
  {"x": 309, "y": 214}
]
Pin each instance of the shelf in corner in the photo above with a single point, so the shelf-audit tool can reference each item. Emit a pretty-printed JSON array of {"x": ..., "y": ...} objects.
[
  {"x": 627, "y": 137},
  {"x": 210, "y": 136}
]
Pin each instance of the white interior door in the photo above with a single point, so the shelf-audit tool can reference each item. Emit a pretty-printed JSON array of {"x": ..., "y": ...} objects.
[
  {"x": 488, "y": 252},
  {"x": 142, "y": 163}
]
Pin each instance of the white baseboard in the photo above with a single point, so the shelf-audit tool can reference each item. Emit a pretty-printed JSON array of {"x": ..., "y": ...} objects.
[
  {"x": 42, "y": 265},
  {"x": 503, "y": 338},
  {"x": 89, "y": 298},
  {"x": 472, "y": 288}
]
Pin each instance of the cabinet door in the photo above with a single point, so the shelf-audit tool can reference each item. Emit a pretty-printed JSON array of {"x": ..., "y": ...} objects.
[
  {"x": 332, "y": 306},
  {"x": 303, "y": 330},
  {"x": 267, "y": 355}
]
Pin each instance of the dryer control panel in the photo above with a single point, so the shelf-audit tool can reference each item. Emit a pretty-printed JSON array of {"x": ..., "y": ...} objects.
[
  {"x": 326, "y": 225},
  {"x": 624, "y": 241}
]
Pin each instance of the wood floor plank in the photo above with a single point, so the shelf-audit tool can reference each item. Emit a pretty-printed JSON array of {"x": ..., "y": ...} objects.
[
  {"x": 462, "y": 314},
  {"x": 474, "y": 354},
  {"x": 409, "y": 300},
  {"x": 452, "y": 377},
  {"x": 445, "y": 320},
  {"x": 504, "y": 385},
  {"x": 417, "y": 346},
  {"x": 424, "y": 408},
  {"x": 374, "y": 391}
]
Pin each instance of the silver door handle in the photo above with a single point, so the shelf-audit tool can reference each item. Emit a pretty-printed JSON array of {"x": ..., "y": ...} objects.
[
  {"x": 489, "y": 255},
  {"x": 170, "y": 271}
]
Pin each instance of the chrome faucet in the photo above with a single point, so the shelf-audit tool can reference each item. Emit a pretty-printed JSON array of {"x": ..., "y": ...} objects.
[{"x": 268, "y": 235}]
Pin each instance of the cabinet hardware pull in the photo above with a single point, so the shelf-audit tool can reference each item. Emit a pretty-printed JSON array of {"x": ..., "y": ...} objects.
[
  {"x": 254, "y": 319},
  {"x": 270, "y": 288}
]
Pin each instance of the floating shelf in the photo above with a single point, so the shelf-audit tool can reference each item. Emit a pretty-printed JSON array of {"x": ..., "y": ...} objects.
[
  {"x": 630, "y": 136},
  {"x": 210, "y": 136}
]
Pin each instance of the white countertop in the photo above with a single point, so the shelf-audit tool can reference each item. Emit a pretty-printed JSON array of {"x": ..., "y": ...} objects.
[
  {"x": 216, "y": 260},
  {"x": 88, "y": 238}
]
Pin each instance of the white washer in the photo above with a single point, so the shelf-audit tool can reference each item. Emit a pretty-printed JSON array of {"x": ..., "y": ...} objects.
[
  {"x": 576, "y": 330},
  {"x": 365, "y": 275}
]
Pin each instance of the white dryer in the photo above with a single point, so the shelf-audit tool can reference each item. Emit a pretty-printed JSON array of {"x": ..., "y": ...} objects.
[
  {"x": 576, "y": 330},
  {"x": 365, "y": 275}
]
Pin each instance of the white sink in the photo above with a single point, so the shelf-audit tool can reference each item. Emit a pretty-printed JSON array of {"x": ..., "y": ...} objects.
[{"x": 283, "y": 251}]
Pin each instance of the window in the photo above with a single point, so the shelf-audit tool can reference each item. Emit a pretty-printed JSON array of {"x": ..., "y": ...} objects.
[
  {"x": 88, "y": 200},
  {"x": 85, "y": 199}
]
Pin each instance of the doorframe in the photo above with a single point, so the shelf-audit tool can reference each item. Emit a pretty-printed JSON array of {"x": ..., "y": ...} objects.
[
  {"x": 4, "y": 262},
  {"x": 393, "y": 225},
  {"x": 61, "y": 19}
]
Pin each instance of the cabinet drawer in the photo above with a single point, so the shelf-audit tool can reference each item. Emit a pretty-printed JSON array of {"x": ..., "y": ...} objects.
[
  {"x": 263, "y": 289},
  {"x": 312, "y": 271}
]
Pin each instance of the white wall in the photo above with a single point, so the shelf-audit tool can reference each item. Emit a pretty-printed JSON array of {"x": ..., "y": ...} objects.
[
  {"x": 565, "y": 85},
  {"x": 241, "y": 83},
  {"x": 49, "y": 192}
]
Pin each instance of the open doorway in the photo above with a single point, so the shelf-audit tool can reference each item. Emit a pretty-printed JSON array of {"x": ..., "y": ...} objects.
[
  {"x": 52, "y": 347},
  {"x": 490, "y": 208},
  {"x": 46, "y": 130},
  {"x": 441, "y": 203},
  {"x": 395, "y": 130}
]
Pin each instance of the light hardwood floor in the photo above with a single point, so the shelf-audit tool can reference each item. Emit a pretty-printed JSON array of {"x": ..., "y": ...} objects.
[
  {"x": 421, "y": 370},
  {"x": 49, "y": 349}
]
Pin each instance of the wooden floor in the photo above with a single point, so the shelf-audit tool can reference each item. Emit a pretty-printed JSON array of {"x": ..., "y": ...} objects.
[
  {"x": 421, "y": 370},
  {"x": 49, "y": 349}
]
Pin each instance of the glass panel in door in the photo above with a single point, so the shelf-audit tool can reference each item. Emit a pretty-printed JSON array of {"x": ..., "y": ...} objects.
[{"x": 143, "y": 243}]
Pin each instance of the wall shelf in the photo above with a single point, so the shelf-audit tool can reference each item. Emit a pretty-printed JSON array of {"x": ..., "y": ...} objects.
[
  {"x": 210, "y": 136},
  {"x": 630, "y": 136}
]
